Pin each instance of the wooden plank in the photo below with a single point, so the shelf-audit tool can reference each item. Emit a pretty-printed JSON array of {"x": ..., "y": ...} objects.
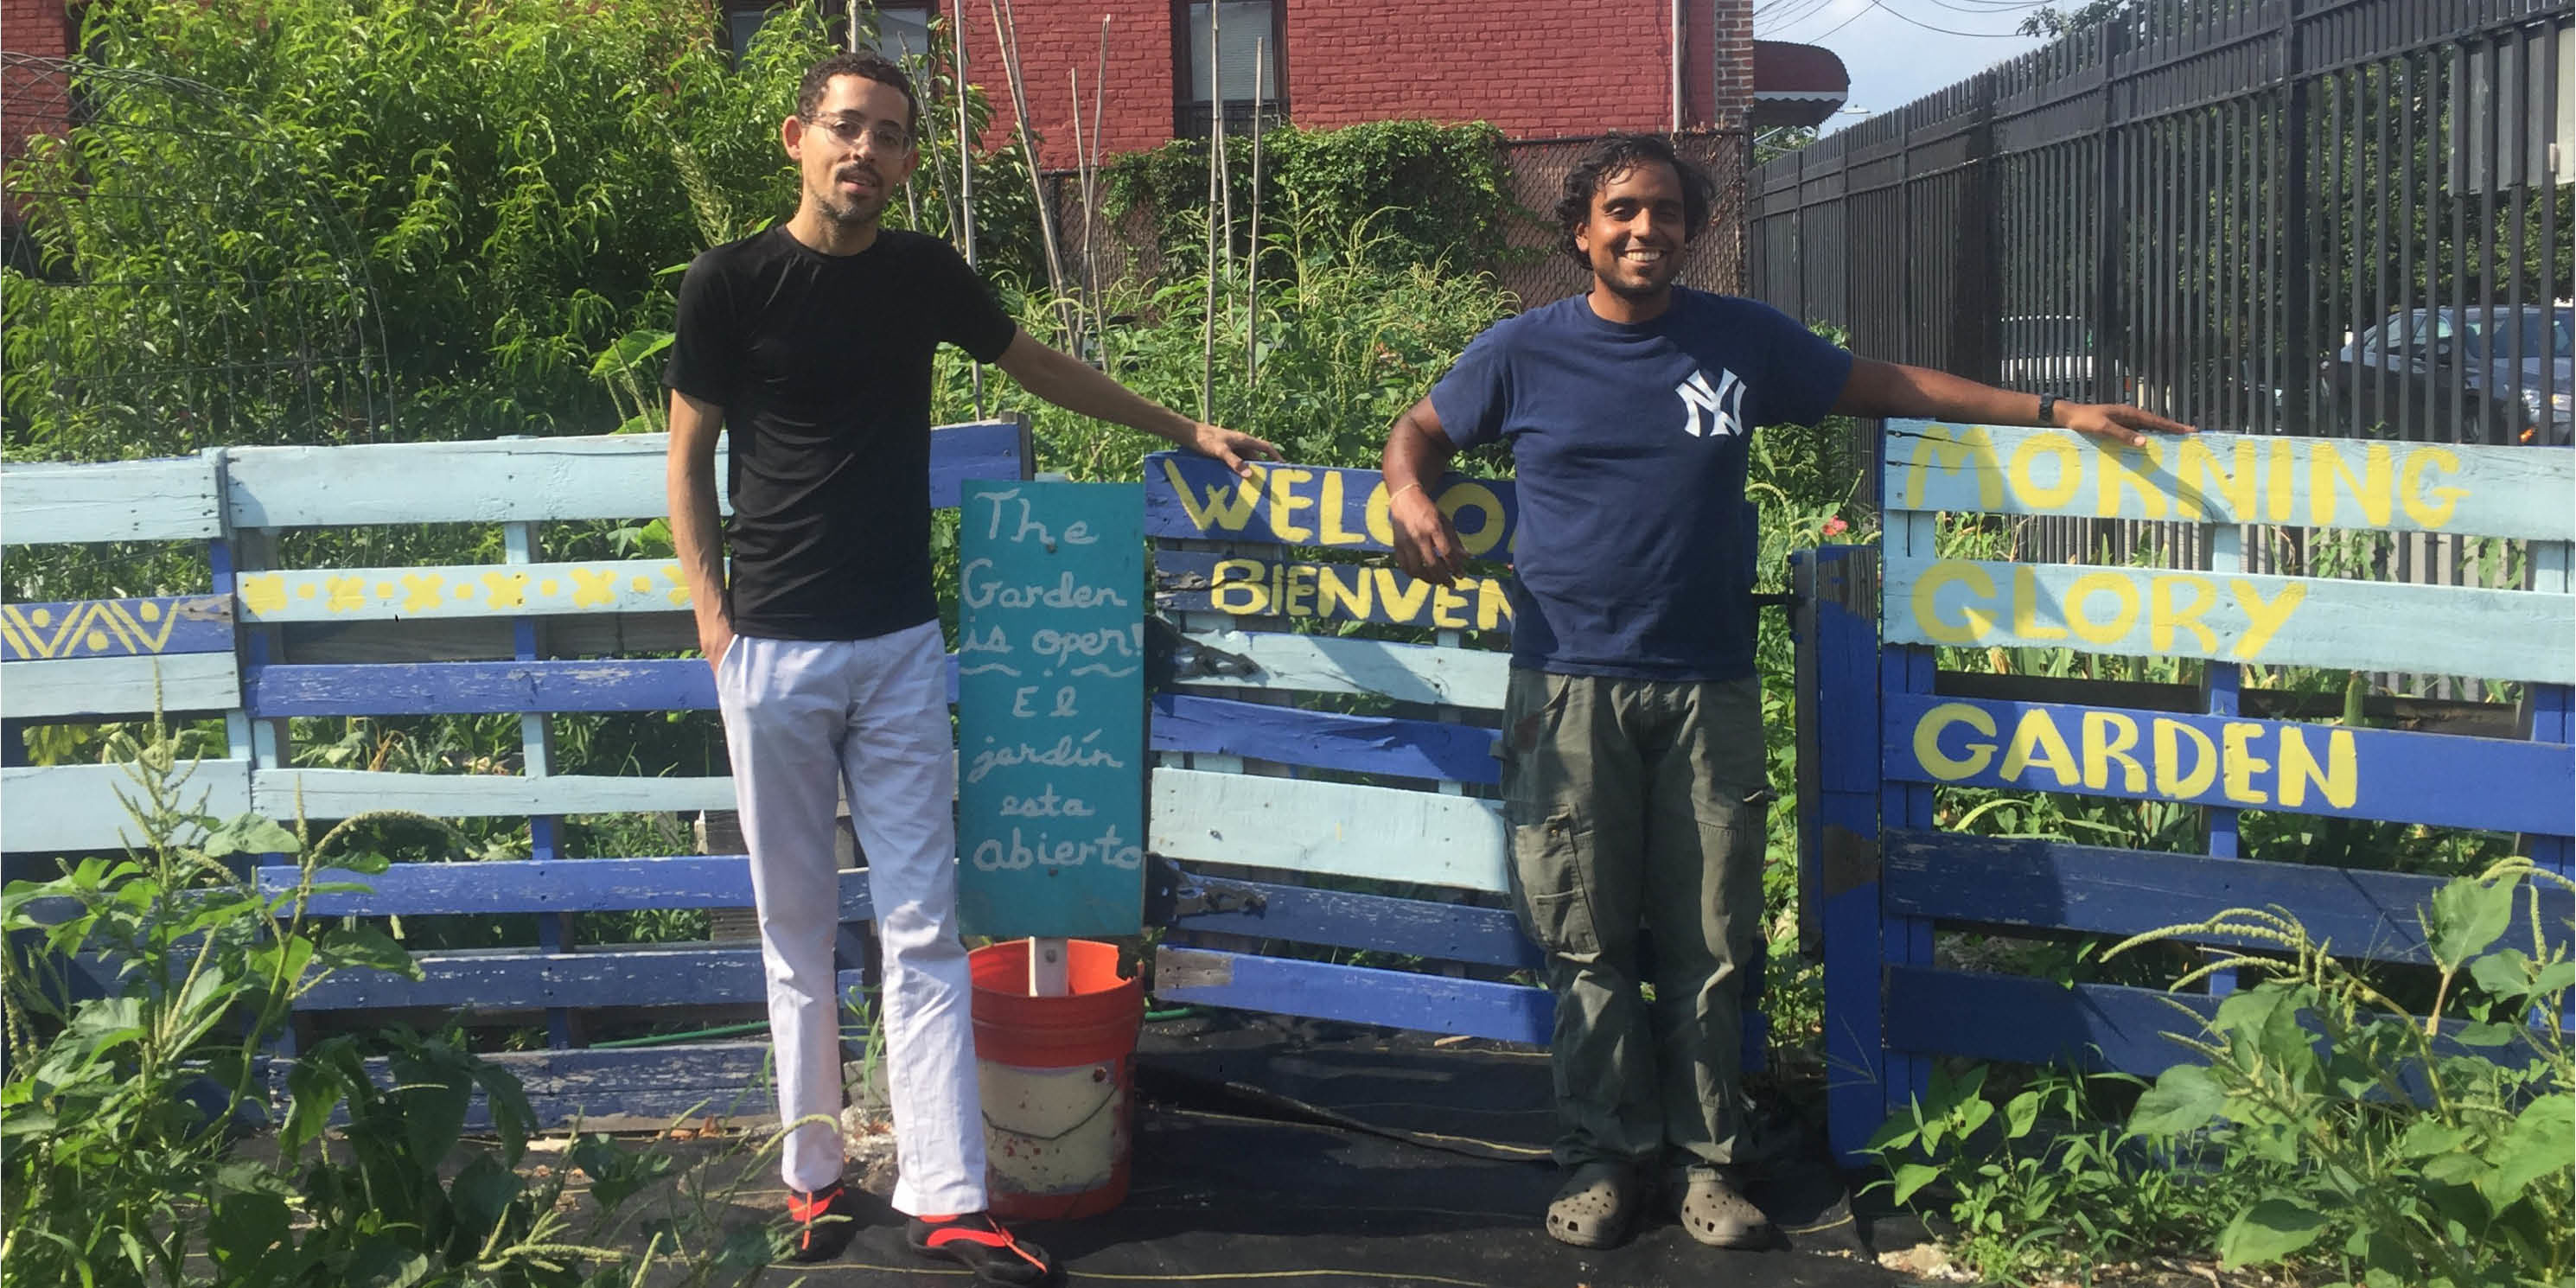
[
  {"x": 1334, "y": 664},
  {"x": 1336, "y": 829},
  {"x": 2439, "y": 779},
  {"x": 567, "y": 885},
  {"x": 110, "y": 686},
  {"x": 2040, "y": 1021},
  {"x": 116, "y": 628},
  {"x": 1325, "y": 740},
  {"x": 461, "y": 590},
  {"x": 2383, "y": 710},
  {"x": 1204, "y": 582},
  {"x": 2234, "y": 479},
  {"x": 728, "y": 1080},
  {"x": 640, "y": 976},
  {"x": 2017, "y": 881},
  {"x": 1355, "y": 994},
  {"x": 2091, "y": 1026},
  {"x": 470, "y": 688},
  {"x": 2276, "y": 621},
  {"x": 474, "y": 639},
  {"x": 1375, "y": 923},
  {"x": 616, "y": 476},
  {"x": 64, "y": 808},
  {"x": 345, "y": 793},
  {"x": 172, "y": 499},
  {"x": 1193, "y": 497}
]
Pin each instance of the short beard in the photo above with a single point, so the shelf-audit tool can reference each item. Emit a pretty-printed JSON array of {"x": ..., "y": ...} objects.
[
  {"x": 852, "y": 214},
  {"x": 1627, "y": 292}
]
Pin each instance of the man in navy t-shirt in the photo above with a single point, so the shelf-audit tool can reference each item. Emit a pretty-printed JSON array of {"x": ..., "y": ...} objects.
[{"x": 1634, "y": 780}]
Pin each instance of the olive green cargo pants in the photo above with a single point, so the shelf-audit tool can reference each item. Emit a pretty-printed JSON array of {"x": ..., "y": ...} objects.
[{"x": 1639, "y": 802}]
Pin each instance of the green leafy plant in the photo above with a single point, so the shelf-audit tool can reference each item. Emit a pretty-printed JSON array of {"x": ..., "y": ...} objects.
[{"x": 2411, "y": 1150}]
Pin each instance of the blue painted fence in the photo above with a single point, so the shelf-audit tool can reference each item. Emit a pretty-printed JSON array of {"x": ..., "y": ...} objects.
[
  {"x": 266, "y": 643},
  {"x": 1885, "y": 729}
]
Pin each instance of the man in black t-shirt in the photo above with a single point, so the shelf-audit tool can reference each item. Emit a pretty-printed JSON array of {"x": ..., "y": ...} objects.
[{"x": 812, "y": 343}]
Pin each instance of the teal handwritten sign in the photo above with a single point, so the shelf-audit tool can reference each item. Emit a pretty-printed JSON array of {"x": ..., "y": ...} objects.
[{"x": 1051, "y": 709}]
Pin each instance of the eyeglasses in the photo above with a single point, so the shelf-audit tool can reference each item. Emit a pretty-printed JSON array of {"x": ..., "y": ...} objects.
[{"x": 886, "y": 135}]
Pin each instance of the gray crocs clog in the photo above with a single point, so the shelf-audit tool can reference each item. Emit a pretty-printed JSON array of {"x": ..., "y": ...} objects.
[{"x": 1598, "y": 1205}]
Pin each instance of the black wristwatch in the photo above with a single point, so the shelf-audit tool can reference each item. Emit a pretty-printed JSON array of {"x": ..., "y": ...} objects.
[{"x": 2048, "y": 409}]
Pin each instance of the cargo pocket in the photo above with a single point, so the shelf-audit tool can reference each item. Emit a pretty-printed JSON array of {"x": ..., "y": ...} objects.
[{"x": 1548, "y": 859}]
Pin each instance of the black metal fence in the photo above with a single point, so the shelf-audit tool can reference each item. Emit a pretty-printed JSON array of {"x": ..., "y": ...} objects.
[{"x": 2345, "y": 217}]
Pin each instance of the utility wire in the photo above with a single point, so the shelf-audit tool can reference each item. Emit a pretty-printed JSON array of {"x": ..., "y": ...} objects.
[{"x": 1981, "y": 35}]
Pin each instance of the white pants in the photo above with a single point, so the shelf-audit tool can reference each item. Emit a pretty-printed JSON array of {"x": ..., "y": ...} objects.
[{"x": 800, "y": 716}]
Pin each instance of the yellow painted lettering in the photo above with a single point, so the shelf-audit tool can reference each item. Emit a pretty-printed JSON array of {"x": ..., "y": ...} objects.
[
  {"x": 2171, "y": 779},
  {"x": 1402, "y": 595},
  {"x": 1493, "y": 604},
  {"x": 1447, "y": 608},
  {"x": 2120, "y": 472},
  {"x": 2281, "y": 480},
  {"x": 1975, "y": 625},
  {"x": 2263, "y": 618},
  {"x": 2026, "y": 486},
  {"x": 2430, "y": 507},
  {"x": 2026, "y": 621},
  {"x": 1377, "y": 516},
  {"x": 2196, "y": 463},
  {"x": 1328, "y": 516},
  {"x": 1229, "y": 504},
  {"x": 1285, "y": 503},
  {"x": 1941, "y": 764},
  {"x": 2038, "y": 734},
  {"x": 2339, "y": 778},
  {"x": 1488, "y": 532},
  {"x": 1951, "y": 451},
  {"x": 2164, "y": 618},
  {"x": 2108, "y": 736},
  {"x": 1237, "y": 588},
  {"x": 1300, "y": 599},
  {"x": 1334, "y": 598},
  {"x": 2371, "y": 492},
  {"x": 2237, "y": 783},
  {"x": 2121, "y": 589}
]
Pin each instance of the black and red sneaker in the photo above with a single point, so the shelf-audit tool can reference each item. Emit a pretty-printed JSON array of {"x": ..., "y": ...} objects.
[
  {"x": 977, "y": 1241},
  {"x": 824, "y": 1221}
]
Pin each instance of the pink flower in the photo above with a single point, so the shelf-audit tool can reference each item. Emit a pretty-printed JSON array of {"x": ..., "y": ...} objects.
[{"x": 1835, "y": 526}]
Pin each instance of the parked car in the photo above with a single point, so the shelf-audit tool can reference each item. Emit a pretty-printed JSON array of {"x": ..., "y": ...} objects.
[
  {"x": 2050, "y": 353},
  {"x": 2452, "y": 373}
]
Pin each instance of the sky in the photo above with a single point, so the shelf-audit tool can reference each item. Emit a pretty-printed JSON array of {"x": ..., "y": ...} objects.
[{"x": 1894, "y": 61}]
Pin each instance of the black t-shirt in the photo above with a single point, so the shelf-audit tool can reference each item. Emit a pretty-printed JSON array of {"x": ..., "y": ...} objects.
[{"x": 822, "y": 365}]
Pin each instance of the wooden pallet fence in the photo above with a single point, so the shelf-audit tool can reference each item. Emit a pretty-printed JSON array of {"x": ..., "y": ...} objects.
[
  {"x": 526, "y": 636},
  {"x": 1891, "y": 729},
  {"x": 1334, "y": 793}
]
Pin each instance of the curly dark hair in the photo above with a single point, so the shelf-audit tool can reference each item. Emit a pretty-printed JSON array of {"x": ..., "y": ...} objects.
[
  {"x": 1615, "y": 155},
  {"x": 864, "y": 65}
]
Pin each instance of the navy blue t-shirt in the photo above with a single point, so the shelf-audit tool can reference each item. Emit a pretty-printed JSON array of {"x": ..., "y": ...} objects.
[{"x": 1629, "y": 444}]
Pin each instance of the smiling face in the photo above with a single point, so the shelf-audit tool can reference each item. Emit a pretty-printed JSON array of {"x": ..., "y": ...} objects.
[
  {"x": 1634, "y": 236},
  {"x": 854, "y": 151}
]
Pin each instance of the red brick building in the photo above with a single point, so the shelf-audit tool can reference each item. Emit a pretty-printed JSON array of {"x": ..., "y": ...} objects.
[
  {"x": 1534, "y": 68},
  {"x": 36, "y": 99}
]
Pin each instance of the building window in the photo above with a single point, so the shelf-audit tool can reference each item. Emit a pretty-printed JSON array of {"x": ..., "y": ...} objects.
[
  {"x": 1249, "y": 30},
  {"x": 903, "y": 30}
]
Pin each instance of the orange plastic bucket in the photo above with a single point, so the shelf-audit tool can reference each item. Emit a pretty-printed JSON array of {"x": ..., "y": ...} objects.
[{"x": 1058, "y": 1077}]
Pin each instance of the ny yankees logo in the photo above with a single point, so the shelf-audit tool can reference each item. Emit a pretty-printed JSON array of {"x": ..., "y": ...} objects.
[{"x": 1724, "y": 404}]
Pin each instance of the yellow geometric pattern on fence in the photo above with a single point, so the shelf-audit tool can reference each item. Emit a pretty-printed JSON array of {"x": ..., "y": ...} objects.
[
  {"x": 355, "y": 594},
  {"x": 99, "y": 626}
]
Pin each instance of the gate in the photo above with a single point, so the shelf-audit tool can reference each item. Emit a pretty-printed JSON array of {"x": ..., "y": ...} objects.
[{"x": 1927, "y": 672}]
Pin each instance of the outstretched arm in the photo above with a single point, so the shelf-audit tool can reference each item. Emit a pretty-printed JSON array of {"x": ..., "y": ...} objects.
[
  {"x": 1892, "y": 389},
  {"x": 1417, "y": 453},
  {"x": 1072, "y": 384}
]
